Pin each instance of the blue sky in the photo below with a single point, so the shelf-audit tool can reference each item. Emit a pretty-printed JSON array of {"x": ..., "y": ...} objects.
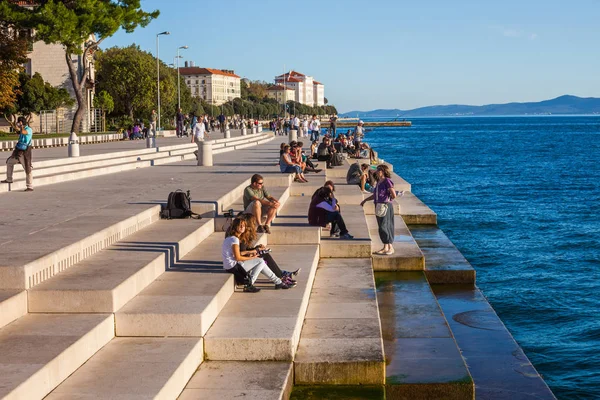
[{"x": 391, "y": 54}]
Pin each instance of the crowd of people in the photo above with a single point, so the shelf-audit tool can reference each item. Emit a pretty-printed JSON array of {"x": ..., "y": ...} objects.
[{"x": 185, "y": 123}]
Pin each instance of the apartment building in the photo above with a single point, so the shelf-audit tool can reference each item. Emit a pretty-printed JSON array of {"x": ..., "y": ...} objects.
[
  {"x": 214, "y": 86},
  {"x": 281, "y": 93},
  {"x": 306, "y": 89}
]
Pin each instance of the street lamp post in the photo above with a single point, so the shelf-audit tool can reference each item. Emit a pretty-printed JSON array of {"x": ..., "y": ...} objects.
[
  {"x": 178, "y": 74},
  {"x": 158, "y": 83}
]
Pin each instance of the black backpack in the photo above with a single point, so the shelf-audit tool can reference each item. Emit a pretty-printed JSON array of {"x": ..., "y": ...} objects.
[
  {"x": 354, "y": 174},
  {"x": 178, "y": 206}
]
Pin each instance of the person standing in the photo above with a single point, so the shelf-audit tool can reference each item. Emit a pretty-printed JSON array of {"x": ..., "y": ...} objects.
[
  {"x": 315, "y": 128},
  {"x": 198, "y": 136},
  {"x": 153, "y": 119},
  {"x": 383, "y": 195},
  {"x": 333, "y": 126},
  {"x": 21, "y": 154},
  {"x": 222, "y": 120},
  {"x": 359, "y": 132},
  {"x": 179, "y": 123},
  {"x": 305, "y": 128}
]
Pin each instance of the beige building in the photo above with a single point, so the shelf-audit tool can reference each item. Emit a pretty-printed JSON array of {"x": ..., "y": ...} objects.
[
  {"x": 214, "y": 86},
  {"x": 306, "y": 89},
  {"x": 281, "y": 93}
]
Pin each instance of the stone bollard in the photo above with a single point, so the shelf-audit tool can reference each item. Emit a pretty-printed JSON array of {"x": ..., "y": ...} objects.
[
  {"x": 293, "y": 135},
  {"x": 149, "y": 141},
  {"x": 244, "y": 131},
  {"x": 73, "y": 147},
  {"x": 227, "y": 133},
  {"x": 300, "y": 132},
  {"x": 259, "y": 128},
  {"x": 205, "y": 154},
  {"x": 253, "y": 130}
]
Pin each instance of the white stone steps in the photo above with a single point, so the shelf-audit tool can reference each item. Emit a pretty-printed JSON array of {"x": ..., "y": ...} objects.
[
  {"x": 250, "y": 380},
  {"x": 13, "y": 305},
  {"x": 359, "y": 247},
  {"x": 58, "y": 247},
  {"x": 108, "y": 280},
  {"x": 135, "y": 368},
  {"x": 39, "y": 351},
  {"x": 407, "y": 254},
  {"x": 414, "y": 211},
  {"x": 265, "y": 326},
  {"x": 341, "y": 342},
  {"x": 185, "y": 300},
  {"x": 291, "y": 225}
]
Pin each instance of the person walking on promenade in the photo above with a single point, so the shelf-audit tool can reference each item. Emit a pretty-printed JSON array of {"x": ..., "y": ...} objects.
[
  {"x": 198, "y": 135},
  {"x": 258, "y": 201},
  {"x": 315, "y": 128},
  {"x": 296, "y": 123},
  {"x": 153, "y": 119},
  {"x": 383, "y": 196},
  {"x": 333, "y": 126},
  {"x": 305, "y": 128},
  {"x": 21, "y": 154},
  {"x": 179, "y": 123},
  {"x": 222, "y": 120}
]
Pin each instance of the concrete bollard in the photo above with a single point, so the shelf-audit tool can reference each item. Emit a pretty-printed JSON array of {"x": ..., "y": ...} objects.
[
  {"x": 227, "y": 133},
  {"x": 253, "y": 130},
  {"x": 293, "y": 135},
  {"x": 149, "y": 141},
  {"x": 205, "y": 154},
  {"x": 73, "y": 147},
  {"x": 244, "y": 131},
  {"x": 260, "y": 128}
]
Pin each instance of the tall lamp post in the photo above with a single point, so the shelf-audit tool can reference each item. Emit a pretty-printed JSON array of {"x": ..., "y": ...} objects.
[
  {"x": 158, "y": 82},
  {"x": 178, "y": 74}
]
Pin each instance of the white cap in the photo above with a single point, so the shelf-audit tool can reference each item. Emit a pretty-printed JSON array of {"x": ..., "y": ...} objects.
[{"x": 360, "y": 122}]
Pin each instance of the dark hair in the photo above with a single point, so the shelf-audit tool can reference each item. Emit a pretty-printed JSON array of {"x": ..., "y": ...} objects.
[
  {"x": 300, "y": 144},
  {"x": 364, "y": 166},
  {"x": 22, "y": 120},
  {"x": 330, "y": 183},
  {"x": 325, "y": 193},
  {"x": 255, "y": 178},
  {"x": 385, "y": 169}
]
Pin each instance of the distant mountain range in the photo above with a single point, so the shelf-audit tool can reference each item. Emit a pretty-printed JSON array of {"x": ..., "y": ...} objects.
[{"x": 561, "y": 105}]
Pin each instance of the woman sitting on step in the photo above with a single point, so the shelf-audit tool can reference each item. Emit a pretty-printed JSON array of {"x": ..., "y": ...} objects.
[
  {"x": 323, "y": 209},
  {"x": 247, "y": 243},
  {"x": 234, "y": 258},
  {"x": 287, "y": 166}
]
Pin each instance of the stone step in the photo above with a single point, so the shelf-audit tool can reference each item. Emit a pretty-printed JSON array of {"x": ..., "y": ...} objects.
[
  {"x": 106, "y": 281},
  {"x": 422, "y": 358},
  {"x": 414, "y": 211},
  {"x": 13, "y": 305},
  {"x": 315, "y": 181},
  {"x": 185, "y": 300},
  {"x": 265, "y": 326},
  {"x": 407, "y": 254},
  {"x": 291, "y": 225},
  {"x": 498, "y": 365},
  {"x": 220, "y": 380},
  {"x": 341, "y": 340},
  {"x": 59, "y": 246},
  {"x": 444, "y": 263},
  {"x": 140, "y": 368},
  {"x": 39, "y": 351},
  {"x": 359, "y": 247}
]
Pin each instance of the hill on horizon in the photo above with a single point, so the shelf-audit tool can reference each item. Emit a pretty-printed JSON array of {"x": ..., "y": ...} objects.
[{"x": 563, "y": 105}]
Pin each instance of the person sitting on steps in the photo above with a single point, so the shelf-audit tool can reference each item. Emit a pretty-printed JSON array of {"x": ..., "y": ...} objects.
[
  {"x": 325, "y": 153},
  {"x": 257, "y": 200},
  {"x": 324, "y": 209},
  {"x": 247, "y": 241},
  {"x": 286, "y": 165},
  {"x": 248, "y": 260}
]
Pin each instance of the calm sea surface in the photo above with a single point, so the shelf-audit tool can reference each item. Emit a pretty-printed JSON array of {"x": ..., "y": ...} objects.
[{"x": 520, "y": 197}]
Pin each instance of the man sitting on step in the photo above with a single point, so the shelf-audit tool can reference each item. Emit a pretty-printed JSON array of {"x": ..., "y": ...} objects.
[{"x": 257, "y": 201}]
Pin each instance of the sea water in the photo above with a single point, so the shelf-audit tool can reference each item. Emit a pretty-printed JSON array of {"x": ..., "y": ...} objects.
[{"x": 520, "y": 198}]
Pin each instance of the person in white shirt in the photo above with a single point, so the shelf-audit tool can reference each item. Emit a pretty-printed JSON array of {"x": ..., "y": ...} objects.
[
  {"x": 315, "y": 128},
  {"x": 198, "y": 135},
  {"x": 248, "y": 260},
  {"x": 296, "y": 123},
  {"x": 305, "y": 128}
]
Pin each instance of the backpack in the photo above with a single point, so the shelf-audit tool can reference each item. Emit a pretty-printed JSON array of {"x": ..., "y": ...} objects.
[
  {"x": 178, "y": 206},
  {"x": 338, "y": 160},
  {"x": 240, "y": 276},
  {"x": 353, "y": 175}
]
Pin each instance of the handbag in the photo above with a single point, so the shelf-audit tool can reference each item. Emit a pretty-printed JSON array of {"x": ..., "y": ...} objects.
[
  {"x": 381, "y": 209},
  {"x": 22, "y": 146}
]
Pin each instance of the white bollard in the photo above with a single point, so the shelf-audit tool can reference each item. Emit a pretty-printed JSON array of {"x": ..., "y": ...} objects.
[
  {"x": 293, "y": 135},
  {"x": 253, "y": 130},
  {"x": 259, "y": 128},
  {"x": 227, "y": 133},
  {"x": 149, "y": 141},
  {"x": 205, "y": 154},
  {"x": 73, "y": 147},
  {"x": 244, "y": 131}
]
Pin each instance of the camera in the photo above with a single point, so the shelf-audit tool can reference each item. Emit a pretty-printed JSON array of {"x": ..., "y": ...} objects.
[{"x": 229, "y": 213}]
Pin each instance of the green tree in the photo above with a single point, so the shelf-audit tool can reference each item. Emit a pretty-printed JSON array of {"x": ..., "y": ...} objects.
[
  {"x": 104, "y": 101},
  {"x": 80, "y": 26},
  {"x": 13, "y": 48}
]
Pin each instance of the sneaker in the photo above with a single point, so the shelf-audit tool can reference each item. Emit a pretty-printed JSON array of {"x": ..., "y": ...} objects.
[
  {"x": 260, "y": 229},
  {"x": 28, "y": 190},
  {"x": 317, "y": 171},
  {"x": 346, "y": 236},
  {"x": 251, "y": 289},
  {"x": 290, "y": 282},
  {"x": 267, "y": 229},
  {"x": 282, "y": 285}
]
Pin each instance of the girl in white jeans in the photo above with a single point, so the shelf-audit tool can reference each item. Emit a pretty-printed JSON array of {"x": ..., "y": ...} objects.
[{"x": 249, "y": 260}]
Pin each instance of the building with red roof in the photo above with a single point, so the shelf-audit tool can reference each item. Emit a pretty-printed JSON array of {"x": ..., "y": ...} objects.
[
  {"x": 215, "y": 86},
  {"x": 306, "y": 89}
]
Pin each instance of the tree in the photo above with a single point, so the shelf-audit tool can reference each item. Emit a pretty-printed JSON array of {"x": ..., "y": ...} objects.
[
  {"x": 325, "y": 100},
  {"x": 80, "y": 26},
  {"x": 104, "y": 101},
  {"x": 13, "y": 48},
  {"x": 35, "y": 96}
]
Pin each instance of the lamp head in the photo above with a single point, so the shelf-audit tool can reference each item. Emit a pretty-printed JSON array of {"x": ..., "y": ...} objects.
[
  {"x": 183, "y": 47},
  {"x": 164, "y": 33}
]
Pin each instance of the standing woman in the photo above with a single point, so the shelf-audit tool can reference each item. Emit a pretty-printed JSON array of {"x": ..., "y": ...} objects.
[{"x": 383, "y": 195}]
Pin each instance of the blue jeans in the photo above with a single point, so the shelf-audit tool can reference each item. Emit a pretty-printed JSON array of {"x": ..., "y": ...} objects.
[{"x": 314, "y": 135}]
